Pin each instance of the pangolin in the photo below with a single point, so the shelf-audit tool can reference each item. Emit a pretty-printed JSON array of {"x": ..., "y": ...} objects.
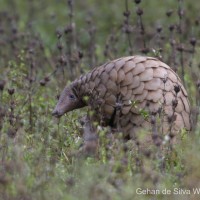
[{"x": 126, "y": 92}]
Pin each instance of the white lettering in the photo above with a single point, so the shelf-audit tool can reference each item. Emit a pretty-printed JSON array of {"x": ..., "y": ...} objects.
[
  {"x": 196, "y": 190},
  {"x": 166, "y": 191},
  {"x": 138, "y": 191},
  {"x": 147, "y": 191},
  {"x": 181, "y": 191}
]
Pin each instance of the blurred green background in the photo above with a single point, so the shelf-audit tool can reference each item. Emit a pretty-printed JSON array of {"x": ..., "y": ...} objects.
[{"x": 46, "y": 44}]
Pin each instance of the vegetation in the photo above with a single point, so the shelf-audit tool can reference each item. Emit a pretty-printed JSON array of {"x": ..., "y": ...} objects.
[{"x": 44, "y": 46}]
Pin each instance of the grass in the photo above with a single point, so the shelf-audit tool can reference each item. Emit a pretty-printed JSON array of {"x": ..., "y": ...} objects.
[{"x": 45, "y": 45}]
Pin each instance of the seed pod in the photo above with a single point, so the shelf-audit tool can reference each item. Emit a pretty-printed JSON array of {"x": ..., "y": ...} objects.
[{"x": 2, "y": 85}]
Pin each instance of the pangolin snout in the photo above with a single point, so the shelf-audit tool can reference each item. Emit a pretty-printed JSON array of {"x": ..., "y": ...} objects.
[{"x": 56, "y": 113}]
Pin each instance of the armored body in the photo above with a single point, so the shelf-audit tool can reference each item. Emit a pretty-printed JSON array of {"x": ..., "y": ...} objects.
[{"x": 126, "y": 92}]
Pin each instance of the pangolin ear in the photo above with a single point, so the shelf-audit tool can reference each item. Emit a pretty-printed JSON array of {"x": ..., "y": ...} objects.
[{"x": 74, "y": 91}]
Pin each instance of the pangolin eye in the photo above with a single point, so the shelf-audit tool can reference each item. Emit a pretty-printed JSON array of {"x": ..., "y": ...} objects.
[{"x": 72, "y": 96}]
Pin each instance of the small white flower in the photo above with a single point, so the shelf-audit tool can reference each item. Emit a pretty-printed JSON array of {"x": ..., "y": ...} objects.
[
  {"x": 166, "y": 138},
  {"x": 77, "y": 139}
]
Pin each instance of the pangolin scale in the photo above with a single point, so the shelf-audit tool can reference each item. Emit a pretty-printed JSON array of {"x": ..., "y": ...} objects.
[{"x": 122, "y": 91}]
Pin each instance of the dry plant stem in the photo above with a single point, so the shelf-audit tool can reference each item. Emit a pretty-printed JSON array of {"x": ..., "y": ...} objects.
[
  {"x": 141, "y": 26},
  {"x": 173, "y": 117},
  {"x": 154, "y": 130},
  {"x": 180, "y": 29},
  {"x": 115, "y": 49},
  {"x": 182, "y": 67},
  {"x": 128, "y": 27},
  {"x": 157, "y": 140},
  {"x": 159, "y": 40},
  {"x": 71, "y": 42},
  {"x": 62, "y": 59},
  {"x": 107, "y": 52},
  {"x": 11, "y": 114},
  {"x": 70, "y": 5},
  {"x": 69, "y": 37},
  {"x": 195, "y": 76},
  {"x": 193, "y": 51},
  {"x": 30, "y": 96},
  {"x": 173, "y": 48},
  {"x": 142, "y": 31},
  {"x": 180, "y": 15},
  {"x": 58, "y": 126},
  {"x": 197, "y": 111},
  {"x": 162, "y": 108},
  {"x": 138, "y": 158},
  {"x": 30, "y": 112},
  {"x": 71, "y": 28},
  {"x": 111, "y": 49},
  {"x": 92, "y": 42},
  {"x": 114, "y": 37},
  {"x": 1, "y": 96},
  {"x": 118, "y": 108}
]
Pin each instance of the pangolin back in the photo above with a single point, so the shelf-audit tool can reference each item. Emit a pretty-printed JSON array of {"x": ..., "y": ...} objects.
[{"x": 125, "y": 92}]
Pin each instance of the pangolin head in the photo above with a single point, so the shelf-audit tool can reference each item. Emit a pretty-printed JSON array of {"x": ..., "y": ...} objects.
[{"x": 68, "y": 101}]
